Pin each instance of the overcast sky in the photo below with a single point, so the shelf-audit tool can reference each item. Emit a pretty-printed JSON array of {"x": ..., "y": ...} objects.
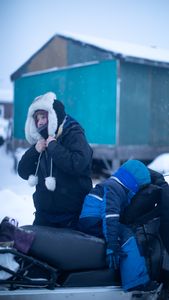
[{"x": 25, "y": 25}]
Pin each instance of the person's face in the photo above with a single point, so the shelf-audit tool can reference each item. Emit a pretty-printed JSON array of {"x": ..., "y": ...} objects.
[{"x": 41, "y": 120}]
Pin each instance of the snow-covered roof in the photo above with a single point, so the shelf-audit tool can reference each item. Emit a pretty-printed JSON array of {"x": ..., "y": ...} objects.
[
  {"x": 125, "y": 49},
  {"x": 6, "y": 95},
  {"x": 128, "y": 51}
]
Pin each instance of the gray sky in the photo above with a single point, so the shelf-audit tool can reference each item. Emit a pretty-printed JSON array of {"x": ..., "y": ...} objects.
[{"x": 25, "y": 25}]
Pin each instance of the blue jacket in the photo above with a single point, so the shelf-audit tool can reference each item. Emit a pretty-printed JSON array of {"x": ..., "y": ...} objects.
[
  {"x": 100, "y": 217},
  {"x": 101, "y": 210}
]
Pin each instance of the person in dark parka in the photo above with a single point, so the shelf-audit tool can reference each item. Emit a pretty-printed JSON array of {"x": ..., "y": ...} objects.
[{"x": 58, "y": 163}]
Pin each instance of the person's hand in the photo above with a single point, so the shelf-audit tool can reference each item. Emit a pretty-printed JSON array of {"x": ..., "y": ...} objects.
[
  {"x": 40, "y": 145},
  {"x": 50, "y": 139},
  {"x": 113, "y": 257}
]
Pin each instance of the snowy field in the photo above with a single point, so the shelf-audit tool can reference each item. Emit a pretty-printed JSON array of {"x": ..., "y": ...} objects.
[{"x": 16, "y": 195}]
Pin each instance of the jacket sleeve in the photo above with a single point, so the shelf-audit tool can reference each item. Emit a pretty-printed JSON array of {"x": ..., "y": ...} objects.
[
  {"x": 147, "y": 203},
  {"x": 157, "y": 178},
  {"x": 72, "y": 157},
  {"x": 111, "y": 211},
  {"x": 27, "y": 164},
  {"x": 143, "y": 205}
]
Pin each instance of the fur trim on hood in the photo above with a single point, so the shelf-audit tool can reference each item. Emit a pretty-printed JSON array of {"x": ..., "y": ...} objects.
[
  {"x": 56, "y": 119},
  {"x": 43, "y": 102}
]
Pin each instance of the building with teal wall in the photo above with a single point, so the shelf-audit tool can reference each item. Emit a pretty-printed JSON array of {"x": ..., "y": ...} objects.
[{"x": 121, "y": 101}]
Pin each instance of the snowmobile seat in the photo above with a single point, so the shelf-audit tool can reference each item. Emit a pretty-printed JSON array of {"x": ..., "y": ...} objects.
[
  {"x": 61, "y": 257},
  {"x": 79, "y": 258},
  {"x": 67, "y": 249}
]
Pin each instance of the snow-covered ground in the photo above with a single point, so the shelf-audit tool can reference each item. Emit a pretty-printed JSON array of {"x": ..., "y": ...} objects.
[
  {"x": 16, "y": 195},
  {"x": 3, "y": 127}
]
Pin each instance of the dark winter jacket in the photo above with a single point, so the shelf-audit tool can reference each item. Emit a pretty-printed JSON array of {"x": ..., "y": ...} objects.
[
  {"x": 162, "y": 209},
  {"x": 72, "y": 157},
  {"x": 148, "y": 203}
]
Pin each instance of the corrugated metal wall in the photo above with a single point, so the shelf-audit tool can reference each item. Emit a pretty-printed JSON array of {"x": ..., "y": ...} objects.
[
  {"x": 144, "y": 105},
  {"x": 135, "y": 90},
  {"x": 88, "y": 92},
  {"x": 159, "y": 131}
]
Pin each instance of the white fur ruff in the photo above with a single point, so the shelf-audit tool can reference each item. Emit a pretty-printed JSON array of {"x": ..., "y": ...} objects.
[
  {"x": 50, "y": 183},
  {"x": 44, "y": 102},
  {"x": 33, "y": 180}
]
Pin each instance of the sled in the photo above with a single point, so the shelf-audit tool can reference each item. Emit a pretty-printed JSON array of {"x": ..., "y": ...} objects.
[{"x": 66, "y": 264}]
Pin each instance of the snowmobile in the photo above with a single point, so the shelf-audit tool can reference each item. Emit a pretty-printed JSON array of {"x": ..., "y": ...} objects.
[{"x": 67, "y": 264}]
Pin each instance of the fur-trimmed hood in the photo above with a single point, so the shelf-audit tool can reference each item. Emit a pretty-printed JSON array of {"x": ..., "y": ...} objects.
[{"x": 48, "y": 103}]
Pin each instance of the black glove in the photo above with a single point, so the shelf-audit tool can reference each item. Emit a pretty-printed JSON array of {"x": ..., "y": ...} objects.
[{"x": 44, "y": 131}]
